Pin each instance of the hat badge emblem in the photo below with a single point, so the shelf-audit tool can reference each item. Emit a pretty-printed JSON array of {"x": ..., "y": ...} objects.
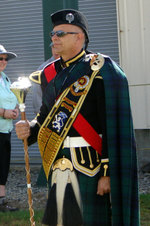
[{"x": 70, "y": 17}]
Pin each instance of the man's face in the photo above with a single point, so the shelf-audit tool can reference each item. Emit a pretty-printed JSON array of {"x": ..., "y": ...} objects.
[
  {"x": 67, "y": 43},
  {"x": 54, "y": 53},
  {"x": 3, "y": 61}
]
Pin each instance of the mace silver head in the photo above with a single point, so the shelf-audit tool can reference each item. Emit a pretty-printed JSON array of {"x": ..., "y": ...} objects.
[{"x": 20, "y": 88}]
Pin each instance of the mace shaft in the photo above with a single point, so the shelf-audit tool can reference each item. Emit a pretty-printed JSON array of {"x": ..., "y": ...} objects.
[{"x": 28, "y": 177}]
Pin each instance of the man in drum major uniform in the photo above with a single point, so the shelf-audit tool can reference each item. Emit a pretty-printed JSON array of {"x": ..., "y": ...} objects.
[{"x": 85, "y": 133}]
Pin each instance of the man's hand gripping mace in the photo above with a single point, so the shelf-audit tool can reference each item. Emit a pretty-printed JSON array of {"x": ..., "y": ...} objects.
[{"x": 20, "y": 89}]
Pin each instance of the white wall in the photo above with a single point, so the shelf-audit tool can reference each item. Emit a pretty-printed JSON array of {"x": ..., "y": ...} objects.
[{"x": 134, "y": 36}]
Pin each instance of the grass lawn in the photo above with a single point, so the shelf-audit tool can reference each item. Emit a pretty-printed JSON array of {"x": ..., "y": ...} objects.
[
  {"x": 21, "y": 218},
  {"x": 145, "y": 209}
]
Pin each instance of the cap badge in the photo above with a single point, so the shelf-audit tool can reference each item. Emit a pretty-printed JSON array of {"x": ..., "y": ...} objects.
[{"x": 70, "y": 17}]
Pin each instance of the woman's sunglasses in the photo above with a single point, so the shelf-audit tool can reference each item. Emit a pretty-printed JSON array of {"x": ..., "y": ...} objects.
[
  {"x": 2, "y": 58},
  {"x": 61, "y": 33}
]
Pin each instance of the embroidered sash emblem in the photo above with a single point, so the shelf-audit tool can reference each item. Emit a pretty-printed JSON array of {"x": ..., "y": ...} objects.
[
  {"x": 78, "y": 88},
  {"x": 81, "y": 83},
  {"x": 59, "y": 121}
]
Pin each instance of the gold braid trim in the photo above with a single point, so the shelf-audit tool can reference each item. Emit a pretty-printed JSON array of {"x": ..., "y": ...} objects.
[{"x": 36, "y": 77}]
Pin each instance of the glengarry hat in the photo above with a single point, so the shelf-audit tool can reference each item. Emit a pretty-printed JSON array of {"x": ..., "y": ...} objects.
[
  {"x": 71, "y": 16},
  {"x": 10, "y": 55}
]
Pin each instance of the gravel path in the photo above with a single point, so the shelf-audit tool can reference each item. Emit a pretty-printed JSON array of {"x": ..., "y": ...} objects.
[{"x": 17, "y": 189}]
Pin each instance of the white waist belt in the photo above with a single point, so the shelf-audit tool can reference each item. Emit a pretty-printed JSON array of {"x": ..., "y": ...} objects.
[{"x": 70, "y": 142}]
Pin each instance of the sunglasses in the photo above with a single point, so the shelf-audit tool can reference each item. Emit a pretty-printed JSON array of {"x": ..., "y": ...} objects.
[
  {"x": 61, "y": 33},
  {"x": 2, "y": 58}
]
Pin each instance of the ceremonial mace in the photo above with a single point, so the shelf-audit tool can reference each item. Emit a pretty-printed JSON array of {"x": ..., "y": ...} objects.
[{"x": 20, "y": 88}]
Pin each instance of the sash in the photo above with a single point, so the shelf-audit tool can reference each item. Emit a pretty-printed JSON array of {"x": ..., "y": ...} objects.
[
  {"x": 58, "y": 122},
  {"x": 88, "y": 133},
  {"x": 63, "y": 80},
  {"x": 50, "y": 72},
  {"x": 61, "y": 117}
]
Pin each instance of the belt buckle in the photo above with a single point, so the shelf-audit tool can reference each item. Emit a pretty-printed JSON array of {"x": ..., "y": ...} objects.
[{"x": 66, "y": 143}]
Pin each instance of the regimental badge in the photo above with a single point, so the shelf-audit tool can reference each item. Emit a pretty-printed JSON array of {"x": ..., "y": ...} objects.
[
  {"x": 59, "y": 121},
  {"x": 81, "y": 83},
  {"x": 70, "y": 17},
  {"x": 78, "y": 88},
  {"x": 97, "y": 62}
]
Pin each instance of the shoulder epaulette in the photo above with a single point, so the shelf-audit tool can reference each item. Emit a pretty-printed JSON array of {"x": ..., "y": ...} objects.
[{"x": 36, "y": 77}]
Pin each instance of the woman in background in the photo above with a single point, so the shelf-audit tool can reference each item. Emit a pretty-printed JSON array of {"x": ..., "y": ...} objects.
[{"x": 8, "y": 112}]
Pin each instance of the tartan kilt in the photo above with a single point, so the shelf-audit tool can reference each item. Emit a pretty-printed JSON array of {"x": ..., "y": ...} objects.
[{"x": 96, "y": 208}]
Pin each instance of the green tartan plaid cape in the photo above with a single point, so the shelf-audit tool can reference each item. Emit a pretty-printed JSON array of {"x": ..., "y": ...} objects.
[{"x": 121, "y": 147}]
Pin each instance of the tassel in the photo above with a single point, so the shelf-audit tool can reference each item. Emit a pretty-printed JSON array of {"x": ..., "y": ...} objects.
[
  {"x": 71, "y": 211},
  {"x": 61, "y": 181},
  {"x": 75, "y": 186},
  {"x": 50, "y": 214}
]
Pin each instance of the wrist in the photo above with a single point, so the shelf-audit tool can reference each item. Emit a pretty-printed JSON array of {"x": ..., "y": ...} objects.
[
  {"x": 2, "y": 110},
  {"x": 4, "y": 113}
]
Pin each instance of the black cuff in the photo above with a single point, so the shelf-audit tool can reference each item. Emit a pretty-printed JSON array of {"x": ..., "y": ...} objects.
[
  {"x": 104, "y": 169},
  {"x": 34, "y": 133}
]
